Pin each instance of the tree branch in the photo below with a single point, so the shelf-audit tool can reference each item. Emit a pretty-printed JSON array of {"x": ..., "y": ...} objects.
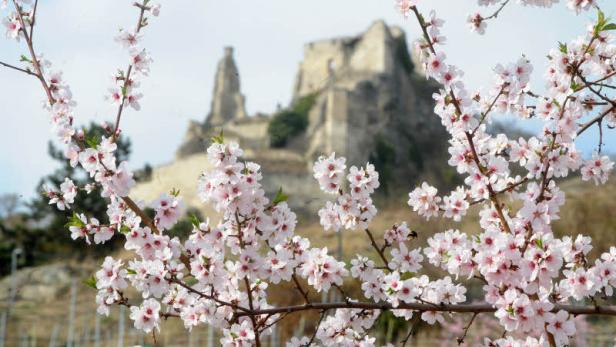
[
  {"x": 116, "y": 128},
  {"x": 378, "y": 250},
  {"x": 19, "y": 69},
  {"x": 452, "y": 308}
]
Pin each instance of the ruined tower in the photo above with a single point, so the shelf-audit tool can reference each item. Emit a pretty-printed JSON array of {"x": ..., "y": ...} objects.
[{"x": 227, "y": 99}]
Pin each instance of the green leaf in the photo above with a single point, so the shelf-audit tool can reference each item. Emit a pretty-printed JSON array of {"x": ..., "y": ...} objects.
[
  {"x": 90, "y": 282},
  {"x": 600, "y": 17},
  {"x": 23, "y": 58},
  {"x": 92, "y": 141},
  {"x": 124, "y": 229},
  {"x": 610, "y": 26},
  {"x": 74, "y": 221},
  {"x": 194, "y": 220},
  {"x": 539, "y": 243},
  {"x": 131, "y": 272},
  {"x": 601, "y": 22},
  {"x": 190, "y": 281},
  {"x": 175, "y": 192},
  {"x": 280, "y": 197},
  {"x": 562, "y": 47},
  {"x": 219, "y": 138}
]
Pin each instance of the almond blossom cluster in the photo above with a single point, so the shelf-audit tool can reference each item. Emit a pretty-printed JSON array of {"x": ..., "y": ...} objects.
[
  {"x": 527, "y": 271},
  {"x": 221, "y": 273},
  {"x": 353, "y": 209}
]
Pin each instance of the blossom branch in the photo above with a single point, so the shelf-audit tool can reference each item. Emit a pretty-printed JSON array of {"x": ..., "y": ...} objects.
[
  {"x": 26, "y": 71},
  {"x": 33, "y": 56},
  {"x": 460, "y": 339},
  {"x": 426, "y": 307},
  {"x": 498, "y": 11},
  {"x": 377, "y": 249},
  {"x": 129, "y": 70}
]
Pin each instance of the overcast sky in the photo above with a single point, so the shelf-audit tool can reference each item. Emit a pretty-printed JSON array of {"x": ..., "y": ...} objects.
[{"x": 186, "y": 42}]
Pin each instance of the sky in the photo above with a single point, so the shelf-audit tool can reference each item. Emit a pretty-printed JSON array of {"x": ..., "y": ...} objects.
[{"x": 187, "y": 41}]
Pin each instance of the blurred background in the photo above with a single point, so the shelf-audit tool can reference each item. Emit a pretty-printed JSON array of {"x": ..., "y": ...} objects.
[{"x": 289, "y": 81}]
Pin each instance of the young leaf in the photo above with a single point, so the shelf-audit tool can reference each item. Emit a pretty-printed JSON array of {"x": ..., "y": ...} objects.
[
  {"x": 610, "y": 26},
  {"x": 74, "y": 221},
  {"x": 280, "y": 197},
  {"x": 90, "y": 282},
  {"x": 124, "y": 229},
  {"x": 92, "y": 141},
  {"x": 194, "y": 220},
  {"x": 190, "y": 281},
  {"x": 219, "y": 138}
]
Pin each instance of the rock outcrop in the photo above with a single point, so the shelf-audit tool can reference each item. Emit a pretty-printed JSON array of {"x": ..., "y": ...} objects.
[{"x": 365, "y": 102}]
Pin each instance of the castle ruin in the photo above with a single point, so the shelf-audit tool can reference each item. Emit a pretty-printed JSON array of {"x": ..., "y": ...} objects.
[{"x": 367, "y": 103}]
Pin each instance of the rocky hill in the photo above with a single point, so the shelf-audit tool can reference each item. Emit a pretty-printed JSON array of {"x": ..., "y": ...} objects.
[{"x": 358, "y": 96}]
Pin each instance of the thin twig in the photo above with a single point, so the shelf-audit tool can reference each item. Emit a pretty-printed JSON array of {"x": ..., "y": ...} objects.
[
  {"x": 33, "y": 19},
  {"x": 497, "y": 12},
  {"x": 316, "y": 329},
  {"x": 19, "y": 69},
  {"x": 414, "y": 322},
  {"x": 377, "y": 248},
  {"x": 300, "y": 289},
  {"x": 461, "y": 338},
  {"x": 116, "y": 128}
]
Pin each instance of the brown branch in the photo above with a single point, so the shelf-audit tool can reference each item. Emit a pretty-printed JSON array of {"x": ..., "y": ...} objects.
[
  {"x": 423, "y": 307},
  {"x": 424, "y": 29},
  {"x": 116, "y": 128},
  {"x": 267, "y": 326},
  {"x": 492, "y": 194},
  {"x": 460, "y": 339},
  {"x": 252, "y": 317},
  {"x": 33, "y": 19},
  {"x": 35, "y": 62},
  {"x": 485, "y": 114},
  {"x": 378, "y": 249},
  {"x": 300, "y": 289},
  {"x": 600, "y": 135},
  {"x": 414, "y": 322},
  {"x": 509, "y": 188},
  {"x": 316, "y": 329},
  {"x": 144, "y": 218},
  {"x": 210, "y": 297},
  {"x": 19, "y": 69},
  {"x": 497, "y": 12},
  {"x": 469, "y": 136},
  {"x": 39, "y": 74},
  {"x": 597, "y": 119}
]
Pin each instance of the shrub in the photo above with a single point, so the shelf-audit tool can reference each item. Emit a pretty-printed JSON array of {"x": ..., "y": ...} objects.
[{"x": 290, "y": 122}]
